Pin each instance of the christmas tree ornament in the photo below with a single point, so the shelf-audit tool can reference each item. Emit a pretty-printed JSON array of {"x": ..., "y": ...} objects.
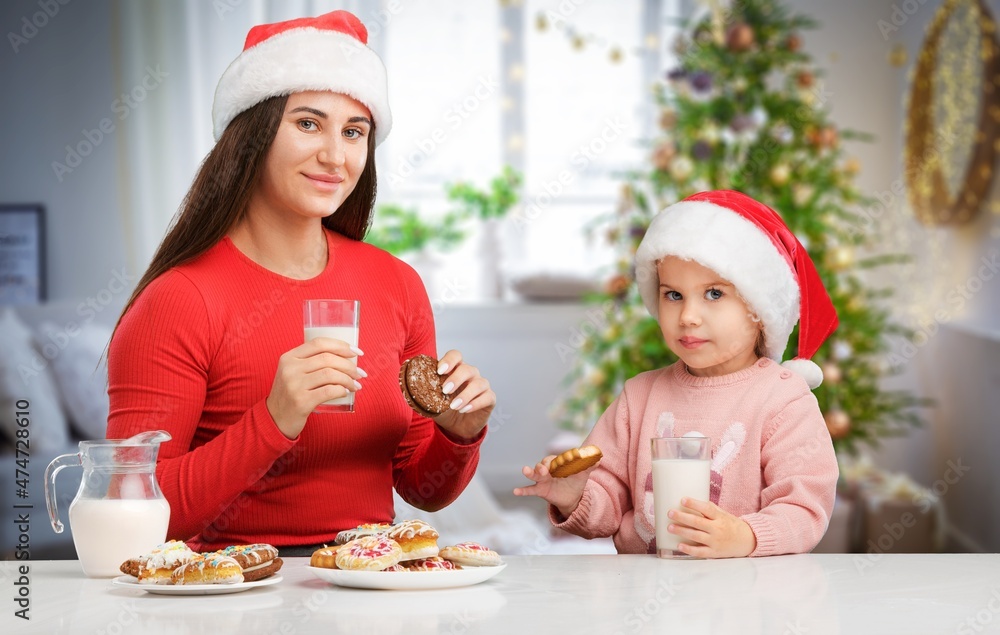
[
  {"x": 681, "y": 168},
  {"x": 272, "y": 64},
  {"x": 668, "y": 118},
  {"x": 898, "y": 55},
  {"x": 838, "y": 423},
  {"x": 541, "y": 22},
  {"x": 832, "y": 373},
  {"x": 663, "y": 155},
  {"x": 793, "y": 43},
  {"x": 701, "y": 150},
  {"x": 802, "y": 193},
  {"x": 852, "y": 166},
  {"x": 840, "y": 258},
  {"x": 749, "y": 245},
  {"x": 804, "y": 79},
  {"x": 842, "y": 350},
  {"x": 740, "y": 37},
  {"x": 701, "y": 81},
  {"x": 780, "y": 174},
  {"x": 618, "y": 286}
]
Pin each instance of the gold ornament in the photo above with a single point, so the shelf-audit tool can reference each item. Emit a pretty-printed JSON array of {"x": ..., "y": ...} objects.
[
  {"x": 578, "y": 42},
  {"x": 780, "y": 174},
  {"x": 838, "y": 423},
  {"x": 739, "y": 38},
  {"x": 668, "y": 118},
  {"x": 898, "y": 55},
  {"x": 832, "y": 373},
  {"x": 615, "y": 55},
  {"x": 664, "y": 155},
  {"x": 852, "y": 166},
  {"x": 840, "y": 258},
  {"x": 681, "y": 168},
  {"x": 617, "y": 286}
]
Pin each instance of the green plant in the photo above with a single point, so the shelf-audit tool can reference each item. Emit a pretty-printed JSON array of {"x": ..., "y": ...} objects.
[
  {"x": 401, "y": 230},
  {"x": 495, "y": 202}
]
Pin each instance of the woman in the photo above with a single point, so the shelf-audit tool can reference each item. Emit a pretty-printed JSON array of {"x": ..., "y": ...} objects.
[{"x": 209, "y": 346}]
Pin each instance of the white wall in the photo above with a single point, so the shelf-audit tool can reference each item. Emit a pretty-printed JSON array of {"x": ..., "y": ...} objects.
[{"x": 57, "y": 85}]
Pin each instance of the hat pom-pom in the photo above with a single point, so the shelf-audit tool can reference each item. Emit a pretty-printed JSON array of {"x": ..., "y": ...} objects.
[{"x": 807, "y": 369}]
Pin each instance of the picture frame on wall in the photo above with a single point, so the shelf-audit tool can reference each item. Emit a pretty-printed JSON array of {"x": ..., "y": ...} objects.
[{"x": 22, "y": 254}]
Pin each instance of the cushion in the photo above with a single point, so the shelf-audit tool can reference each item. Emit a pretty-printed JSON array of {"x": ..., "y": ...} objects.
[
  {"x": 25, "y": 376},
  {"x": 80, "y": 376}
]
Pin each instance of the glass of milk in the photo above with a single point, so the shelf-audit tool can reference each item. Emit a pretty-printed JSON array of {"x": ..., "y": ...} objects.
[
  {"x": 336, "y": 319},
  {"x": 681, "y": 468}
]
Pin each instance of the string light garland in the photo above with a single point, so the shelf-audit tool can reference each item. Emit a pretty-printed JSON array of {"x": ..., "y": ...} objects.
[
  {"x": 581, "y": 41},
  {"x": 938, "y": 192}
]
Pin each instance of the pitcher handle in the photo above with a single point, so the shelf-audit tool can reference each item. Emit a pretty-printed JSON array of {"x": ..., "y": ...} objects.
[{"x": 58, "y": 463}]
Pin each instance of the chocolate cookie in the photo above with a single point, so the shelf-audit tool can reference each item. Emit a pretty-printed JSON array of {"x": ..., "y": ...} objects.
[{"x": 421, "y": 386}]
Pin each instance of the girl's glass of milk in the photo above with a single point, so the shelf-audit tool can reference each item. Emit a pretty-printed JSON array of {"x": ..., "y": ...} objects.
[
  {"x": 336, "y": 319},
  {"x": 681, "y": 468}
]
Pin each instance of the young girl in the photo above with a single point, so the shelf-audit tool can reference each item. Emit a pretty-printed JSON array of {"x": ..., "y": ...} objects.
[{"x": 727, "y": 281}]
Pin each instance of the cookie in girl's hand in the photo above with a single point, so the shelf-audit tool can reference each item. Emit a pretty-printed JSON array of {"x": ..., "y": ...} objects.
[
  {"x": 421, "y": 386},
  {"x": 575, "y": 461}
]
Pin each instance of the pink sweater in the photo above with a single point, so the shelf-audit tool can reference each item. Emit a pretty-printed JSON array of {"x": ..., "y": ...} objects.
[{"x": 773, "y": 462}]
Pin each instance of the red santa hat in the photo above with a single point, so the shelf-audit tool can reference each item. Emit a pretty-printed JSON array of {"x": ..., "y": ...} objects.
[
  {"x": 748, "y": 244},
  {"x": 328, "y": 52}
]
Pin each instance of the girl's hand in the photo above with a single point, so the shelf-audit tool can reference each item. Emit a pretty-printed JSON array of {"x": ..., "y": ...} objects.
[
  {"x": 472, "y": 400},
  {"x": 319, "y": 370},
  {"x": 563, "y": 493},
  {"x": 718, "y": 533}
]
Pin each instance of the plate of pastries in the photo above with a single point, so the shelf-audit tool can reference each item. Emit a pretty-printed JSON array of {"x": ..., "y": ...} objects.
[
  {"x": 174, "y": 569},
  {"x": 402, "y": 556}
]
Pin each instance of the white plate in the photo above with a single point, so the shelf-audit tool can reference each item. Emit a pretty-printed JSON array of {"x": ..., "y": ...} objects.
[
  {"x": 407, "y": 580},
  {"x": 193, "y": 589}
]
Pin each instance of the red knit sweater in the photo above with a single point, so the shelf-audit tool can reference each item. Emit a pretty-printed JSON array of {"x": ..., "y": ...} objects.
[{"x": 196, "y": 356}]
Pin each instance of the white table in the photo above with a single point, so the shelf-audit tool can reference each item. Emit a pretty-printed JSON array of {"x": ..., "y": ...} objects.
[{"x": 555, "y": 594}]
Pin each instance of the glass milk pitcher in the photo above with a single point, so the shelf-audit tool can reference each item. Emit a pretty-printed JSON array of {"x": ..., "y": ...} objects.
[{"x": 119, "y": 511}]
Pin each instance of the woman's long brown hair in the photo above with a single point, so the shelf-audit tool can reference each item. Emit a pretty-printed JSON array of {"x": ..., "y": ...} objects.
[{"x": 222, "y": 188}]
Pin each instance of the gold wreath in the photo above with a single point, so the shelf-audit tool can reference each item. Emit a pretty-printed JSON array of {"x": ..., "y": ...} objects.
[{"x": 923, "y": 153}]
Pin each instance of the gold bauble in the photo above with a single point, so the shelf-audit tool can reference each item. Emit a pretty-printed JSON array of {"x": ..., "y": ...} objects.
[
  {"x": 663, "y": 155},
  {"x": 838, "y": 423},
  {"x": 681, "y": 168},
  {"x": 618, "y": 285},
  {"x": 832, "y": 373},
  {"x": 740, "y": 37},
  {"x": 898, "y": 55},
  {"x": 840, "y": 258},
  {"x": 852, "y": 166},
  {"x": 780, "y": 174},
  {"x": 668, "y": 118}
]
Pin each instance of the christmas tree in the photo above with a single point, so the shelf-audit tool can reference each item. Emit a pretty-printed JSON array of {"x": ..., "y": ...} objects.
[{"x": 743, "y": 110}]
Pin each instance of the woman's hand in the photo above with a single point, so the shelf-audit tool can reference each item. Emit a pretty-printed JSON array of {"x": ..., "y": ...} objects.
[
  {"x": 472, "y": 400},
  {"x": 564, "y": 493},
  {"x": 718, "y": 533},
  {"x": 317, "y": 371}
]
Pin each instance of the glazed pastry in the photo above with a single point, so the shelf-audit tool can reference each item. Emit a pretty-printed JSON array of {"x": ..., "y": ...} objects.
[
  {"x": 422, "y": 386},
  {"x": 416, "y": 538},
  {"x": 257, "y": 561},
  {"x": 325, "y": 557},
  {"x": 471, "y": 554},
  {"x": 369, "y": 553},
  {"x": 396, "y": 568},
  {"x": 209, "y": 568},
  {"x": 574, "y": 461},
  {"x": 436, "y": 563},
  {"x": 157, "y": 566},
  {"x": 370, "y": 529}
]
